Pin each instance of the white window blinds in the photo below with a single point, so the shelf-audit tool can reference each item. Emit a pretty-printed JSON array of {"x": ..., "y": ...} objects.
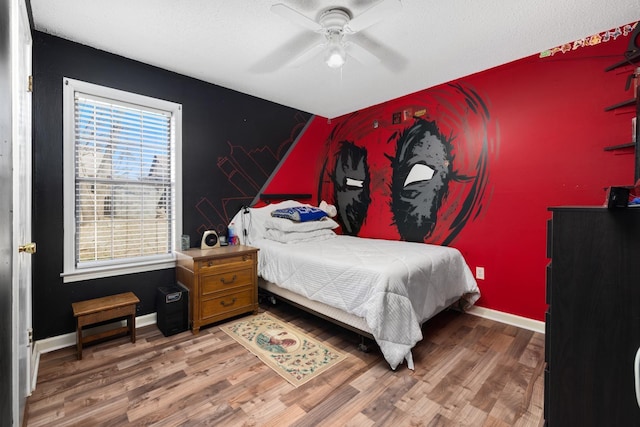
[{"x": 124, "y": 181}]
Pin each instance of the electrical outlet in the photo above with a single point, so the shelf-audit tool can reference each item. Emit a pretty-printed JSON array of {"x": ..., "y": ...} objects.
[{"x": 480, "y": 273}]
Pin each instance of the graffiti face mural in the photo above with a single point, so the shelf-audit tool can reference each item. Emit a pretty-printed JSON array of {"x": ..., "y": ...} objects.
[
  {"x": 421, "y": 171},
  {"x": 417, "y": 179},
  {"x": 351, "y": 186}
]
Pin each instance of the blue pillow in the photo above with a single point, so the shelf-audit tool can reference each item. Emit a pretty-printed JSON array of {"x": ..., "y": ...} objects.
[{"x": 300, "y": 213}]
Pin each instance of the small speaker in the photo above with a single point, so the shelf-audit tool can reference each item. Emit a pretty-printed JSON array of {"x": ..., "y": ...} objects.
[
  {"x": 617, "y": 197},
  {"x": 172, "y": 309},
  {"x": 210, "y": 240}
]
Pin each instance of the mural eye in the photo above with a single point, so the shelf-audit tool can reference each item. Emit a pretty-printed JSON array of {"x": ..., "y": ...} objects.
[
  {"x": 354, "y": 182},
  {"x": 418, "y": 173}
]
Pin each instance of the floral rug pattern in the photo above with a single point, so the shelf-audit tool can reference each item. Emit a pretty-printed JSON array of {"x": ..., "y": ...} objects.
[{"x": 290, "y": 352}]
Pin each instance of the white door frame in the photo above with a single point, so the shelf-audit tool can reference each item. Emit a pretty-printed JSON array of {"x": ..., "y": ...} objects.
[{"x": 22, "y": 342}]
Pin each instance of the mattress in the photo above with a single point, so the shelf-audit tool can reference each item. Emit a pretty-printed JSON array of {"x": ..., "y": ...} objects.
[{"x": 394, "y": 286}]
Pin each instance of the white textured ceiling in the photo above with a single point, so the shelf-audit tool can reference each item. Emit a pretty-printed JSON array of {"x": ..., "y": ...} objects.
[{"x": 242, "y": 45}]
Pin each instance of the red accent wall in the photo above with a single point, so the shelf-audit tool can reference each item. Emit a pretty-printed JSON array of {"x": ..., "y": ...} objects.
[{"x": 549, "y": 130}]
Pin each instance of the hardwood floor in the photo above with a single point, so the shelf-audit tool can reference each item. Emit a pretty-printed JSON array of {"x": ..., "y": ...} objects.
[{"x": 469, "y": 372}]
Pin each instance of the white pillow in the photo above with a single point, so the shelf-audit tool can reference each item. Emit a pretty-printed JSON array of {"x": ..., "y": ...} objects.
[
  {"x": 287, "y": 225},
  {"x": 295, "y": 237},
  {"x": 253, "y": 220}
]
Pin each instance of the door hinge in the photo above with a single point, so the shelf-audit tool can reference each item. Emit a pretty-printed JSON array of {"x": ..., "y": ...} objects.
[
  {"x": 30, "y": 335},
  {"x": 30, "y": 84}
]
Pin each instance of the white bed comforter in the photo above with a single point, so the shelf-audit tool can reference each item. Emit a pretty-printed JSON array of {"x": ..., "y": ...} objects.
[{"x": 395, "y": 286}]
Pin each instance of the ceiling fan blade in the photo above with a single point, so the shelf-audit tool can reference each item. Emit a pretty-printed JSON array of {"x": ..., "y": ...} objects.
[
  {"x": 390, "y": 58},
  {"x": 360, "y": 54},
  {"x": 295, "y": 17},
  {"x": 283, "y": 54},
  {"x": 372, "y": 15},
  {"x": 307, "y": 55}
]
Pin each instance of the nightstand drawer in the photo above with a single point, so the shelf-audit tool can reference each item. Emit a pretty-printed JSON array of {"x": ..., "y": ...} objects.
[
  {"x": 211, "y": 283},
  {"x": 224, "y": 304},
  {"x": 233, "y": 262}
]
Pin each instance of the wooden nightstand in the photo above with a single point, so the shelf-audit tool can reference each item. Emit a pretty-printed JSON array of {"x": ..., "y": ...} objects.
[{"x": 222, "y": 282}]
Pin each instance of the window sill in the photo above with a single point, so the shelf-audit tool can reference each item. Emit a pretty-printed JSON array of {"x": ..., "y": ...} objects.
[{"x": 116, "y": 270}]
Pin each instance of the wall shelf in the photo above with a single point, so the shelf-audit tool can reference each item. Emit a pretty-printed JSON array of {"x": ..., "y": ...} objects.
[
  {"x": 626, "y": 103},
  {"x": 629, "y": 60},
  {"x": 620, "y": 146},
  {"x": 631, "y": 57}
]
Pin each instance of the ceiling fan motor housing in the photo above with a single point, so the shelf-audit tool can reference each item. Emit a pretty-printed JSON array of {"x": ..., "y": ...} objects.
[{"x": 334, "y": 20}]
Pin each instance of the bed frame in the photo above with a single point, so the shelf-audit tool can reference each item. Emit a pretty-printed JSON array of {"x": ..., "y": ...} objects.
[{"x": 273, "y": 293}]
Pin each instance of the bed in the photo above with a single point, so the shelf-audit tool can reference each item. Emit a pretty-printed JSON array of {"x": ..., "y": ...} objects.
[{"x": 384, "y": 289}]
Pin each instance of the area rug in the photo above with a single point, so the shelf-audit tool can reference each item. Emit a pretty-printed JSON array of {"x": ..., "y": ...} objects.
[{"x": 290, "y": 352}]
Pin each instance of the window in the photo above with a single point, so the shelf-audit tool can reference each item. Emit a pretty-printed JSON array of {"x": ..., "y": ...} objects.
[{"x": 122, "y": 195}]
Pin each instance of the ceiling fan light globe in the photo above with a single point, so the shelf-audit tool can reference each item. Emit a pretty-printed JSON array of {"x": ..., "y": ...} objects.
[{"x": 336, "y": 57}]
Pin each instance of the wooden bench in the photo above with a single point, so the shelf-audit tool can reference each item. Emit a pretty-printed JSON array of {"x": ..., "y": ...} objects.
[{"x": 97, "y": 310}]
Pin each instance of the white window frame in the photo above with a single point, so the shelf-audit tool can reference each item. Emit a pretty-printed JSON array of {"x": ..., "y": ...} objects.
[{"x": 71, "y": 272}]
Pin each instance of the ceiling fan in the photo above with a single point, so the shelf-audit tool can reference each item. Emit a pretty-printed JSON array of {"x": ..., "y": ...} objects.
[{"x": 336, "y": 24}]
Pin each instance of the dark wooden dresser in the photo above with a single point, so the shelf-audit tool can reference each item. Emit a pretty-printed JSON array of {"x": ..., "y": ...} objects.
[{"x": 593, "y": 320}]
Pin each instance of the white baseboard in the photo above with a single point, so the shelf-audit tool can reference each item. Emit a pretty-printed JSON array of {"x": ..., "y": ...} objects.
[
  {"x": 509, "y": 319},
  {"x": 35, "y": 364},
  {"x": 69, "y": 340}
]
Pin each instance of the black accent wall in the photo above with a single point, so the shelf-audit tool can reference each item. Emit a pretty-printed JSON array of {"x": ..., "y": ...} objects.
[{"x": 231, "y": 142}]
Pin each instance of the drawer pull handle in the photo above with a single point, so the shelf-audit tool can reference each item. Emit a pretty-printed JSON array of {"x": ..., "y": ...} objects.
[
  {"x": 224, "y": 304},
  {"x": 210, "y": 263},
  {"x": 233, "y": 279}
]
